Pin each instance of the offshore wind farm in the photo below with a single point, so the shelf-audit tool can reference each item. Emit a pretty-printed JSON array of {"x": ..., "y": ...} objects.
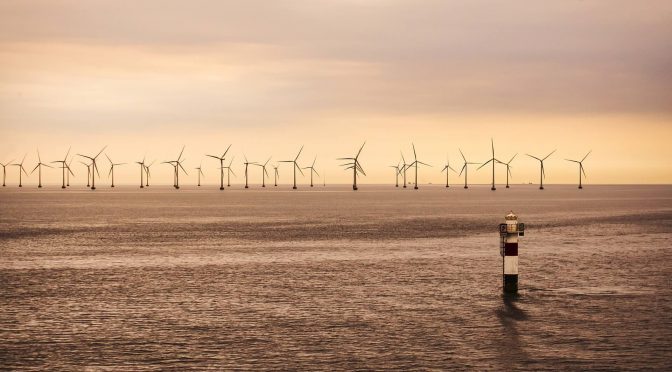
[
  {"x": 352, "y": 163},
  {"x": 327, "y": 185}
]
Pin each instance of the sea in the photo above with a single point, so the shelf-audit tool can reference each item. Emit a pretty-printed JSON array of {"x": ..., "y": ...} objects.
[{"x": 326, "y": 278}]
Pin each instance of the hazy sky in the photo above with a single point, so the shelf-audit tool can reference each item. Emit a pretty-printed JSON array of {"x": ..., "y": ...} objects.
[{"x": 146, "y": 77}]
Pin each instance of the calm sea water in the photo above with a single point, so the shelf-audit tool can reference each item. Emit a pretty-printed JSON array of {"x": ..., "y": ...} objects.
[{"x": 326, "y": 278}]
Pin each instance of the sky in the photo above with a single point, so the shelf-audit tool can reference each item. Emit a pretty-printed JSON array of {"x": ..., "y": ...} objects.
[{"x": 145, "y": 78}]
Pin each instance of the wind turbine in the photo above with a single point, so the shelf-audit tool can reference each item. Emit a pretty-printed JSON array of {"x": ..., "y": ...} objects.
[
  {"x": 142, "y": 172},
  {"x": 65, "y": 166},
  {"x": 355, "y": 166},
  {"x": 397, "y": 170},
  {"x": 296, "y": 165},
  {"x": 446, "y": 169},
  {"x": 95, "y": 167},
  {"x": 465, "y": 169},
  {"x": 112, "y": 169},
  {"x": 312, "y": 170},
  {"x": 247, "y": 164},
  {"x": 264, "y": 173},
  {"x": 69, "y": 172},
  {"x": 493, "y": 160},
  {"x": 21, "y": 169},
  {"x": 276, "y": 175},
  {"x": 508, "y": 170},
  {"x": 4, "y": 171},
  {"x": 221, "y": 167},
  {"x": 200, "y": 173},
  {"x": 39, "y": 169},
  {"x": 88, "y": 173},
  {"x": 404, "y": 167},
  {"x": 229, "y": 171},
  {"x": 147, "y": 172},
  {"x": 415, "y": 163},
  {"x": 178, "y": 165},
  {"x": 581, "y": 167},
  {"x": 542, "y": 174}
]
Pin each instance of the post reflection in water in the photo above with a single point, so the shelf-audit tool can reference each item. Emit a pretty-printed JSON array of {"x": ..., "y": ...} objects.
[{"x": 509, "y": 314}]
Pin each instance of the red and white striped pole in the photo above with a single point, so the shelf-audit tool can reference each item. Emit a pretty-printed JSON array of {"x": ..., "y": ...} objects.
[{"x": 509, "y": 233}]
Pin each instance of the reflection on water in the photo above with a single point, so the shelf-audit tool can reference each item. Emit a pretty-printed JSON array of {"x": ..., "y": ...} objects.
[
  {"x": 509, "y": 315},
  {"x": 382, "y": 278}
]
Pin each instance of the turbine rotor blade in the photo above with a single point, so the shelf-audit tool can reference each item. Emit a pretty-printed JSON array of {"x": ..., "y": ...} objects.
[
  {"x": 360, "y": 150},
  {"x": 549, "y": 154},
  {"x": 584, "y": 158},
  {"x": 299, "y": 154},
  {"x": 101, "y": 151},
  {"x": 465, "y": 159},
  {"x": 179, "y": 157},
  {"x": 227, "y": 150},
  {"x": 484, "y": 164}
]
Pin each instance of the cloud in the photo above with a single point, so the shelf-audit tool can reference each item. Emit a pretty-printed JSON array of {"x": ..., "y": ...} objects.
[{"x": 312, "y": 68}]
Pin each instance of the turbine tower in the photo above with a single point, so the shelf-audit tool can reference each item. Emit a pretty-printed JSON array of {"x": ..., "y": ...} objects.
[
  {"x": 493, "y": 160},
  {"x": 228, "y": 172},
  {"x": 247, "y": 164},
  {"x": 4, "y": 171},
  {"x": 404, "y": 167},
  {"x": 355, "y": 166},
  {"x": 21, "y": 169},
  {"x": 95, "y": 166},
  {"x": 295, "y": 164},
  {"x": 446, "y": 169},
  {"x": 64, "y": 166},
  {"x": 508, "y": 170},
  {"x": 264, "y": 172},
  {"x": 178, "y": 165},
  {"x": 142, "y": 172},
  {"x": 200, "y": 173},
  {"x": 542, "y": 173},
  {"x": 67, "y": 184},
  {"x": 397, "y": 171},
  {"x": 276, "y": 175},
  {"x": 88, "y": 173},
  {"x": 465, "y": 169},
  {"x": 415, "y": 163},
  {"x": 147, "y": 172},
  {"x": 581, "y": 170},
  {"x": 67, "y": 181},
  {"x": 112, "y": 165},
  {"x": 221, "y": 167},
  {"x": 39, "y": 169},
  {"x": 312, "y": 170}
]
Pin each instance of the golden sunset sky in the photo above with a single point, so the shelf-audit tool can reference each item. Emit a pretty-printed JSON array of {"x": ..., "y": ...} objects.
[{"x": 146, "y": 77}]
